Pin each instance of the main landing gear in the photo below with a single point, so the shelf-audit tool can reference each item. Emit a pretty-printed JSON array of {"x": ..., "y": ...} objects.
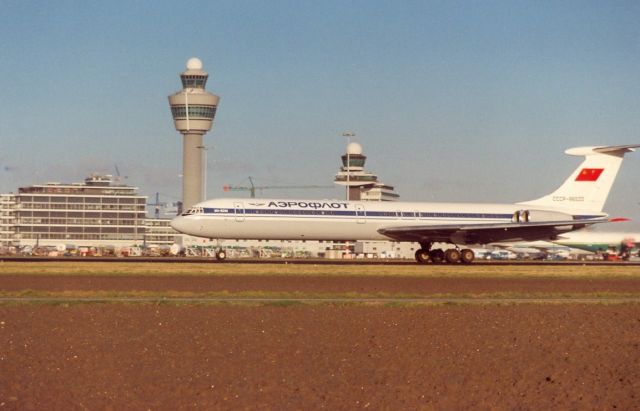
[{"x": 426, "y": 255}]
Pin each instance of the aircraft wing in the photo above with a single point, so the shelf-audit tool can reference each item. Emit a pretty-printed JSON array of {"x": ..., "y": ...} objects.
[
  {"x": 486, "y": 233},
  {"x": 524, "y": 246}
]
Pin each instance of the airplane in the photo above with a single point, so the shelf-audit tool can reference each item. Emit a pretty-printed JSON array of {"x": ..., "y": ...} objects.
[
  {"x": 541, "y": 249},
  {"x": 621, "y": 244},
  {"x": 576, "y": 204}
]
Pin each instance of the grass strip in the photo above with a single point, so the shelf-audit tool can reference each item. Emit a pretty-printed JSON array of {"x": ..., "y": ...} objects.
[{"x": 212, "y": 269}]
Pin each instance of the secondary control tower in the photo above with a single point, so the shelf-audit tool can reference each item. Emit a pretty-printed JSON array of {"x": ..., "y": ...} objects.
[
  {"x": 362, "y": 185},
  {"x": 193, "y": 110}
]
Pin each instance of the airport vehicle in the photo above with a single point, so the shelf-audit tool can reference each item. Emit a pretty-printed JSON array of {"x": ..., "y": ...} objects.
[{"x": 576, "y": 204}]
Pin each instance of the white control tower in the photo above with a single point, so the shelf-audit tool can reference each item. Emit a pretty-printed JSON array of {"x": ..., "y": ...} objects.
[
  {"x": 362, "y": 185},
  {"x": 193, "y": 110}
]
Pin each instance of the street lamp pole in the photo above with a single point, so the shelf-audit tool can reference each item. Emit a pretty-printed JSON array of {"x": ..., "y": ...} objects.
[{"x": 348, "y": 135}]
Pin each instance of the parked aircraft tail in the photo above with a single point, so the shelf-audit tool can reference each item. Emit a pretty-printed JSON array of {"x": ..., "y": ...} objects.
[{"x": 588, "y": 186}]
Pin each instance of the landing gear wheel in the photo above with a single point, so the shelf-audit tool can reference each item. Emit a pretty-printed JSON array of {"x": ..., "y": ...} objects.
[
  {"x": 437, "y": 256},
  {"x": 221, "y": 255},
  {"x": 422, "y": 256},
  {"x": 452, "y": 256},
  {"x": 467, "y": 256}
]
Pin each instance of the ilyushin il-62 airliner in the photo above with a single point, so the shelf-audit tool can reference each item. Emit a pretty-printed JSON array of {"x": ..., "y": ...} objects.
[{"x": 576, "y": 204}]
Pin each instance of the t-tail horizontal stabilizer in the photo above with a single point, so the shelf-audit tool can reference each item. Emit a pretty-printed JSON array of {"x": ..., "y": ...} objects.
[{"x": 587, "y": 188}]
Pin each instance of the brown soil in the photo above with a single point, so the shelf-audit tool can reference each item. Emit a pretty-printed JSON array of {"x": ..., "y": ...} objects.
[
  {"x": 320, "y": 284},
  {"x": 155, "y": 356}
]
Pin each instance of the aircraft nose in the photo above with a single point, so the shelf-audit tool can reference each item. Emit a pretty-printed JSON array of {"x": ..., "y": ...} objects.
[{"x": 180, "y": 224}]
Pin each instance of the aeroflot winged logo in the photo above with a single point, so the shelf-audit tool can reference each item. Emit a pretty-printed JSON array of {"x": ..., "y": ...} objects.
[
  {"x": 307, "y": 204},
  {"x": 589, "y": 174}
]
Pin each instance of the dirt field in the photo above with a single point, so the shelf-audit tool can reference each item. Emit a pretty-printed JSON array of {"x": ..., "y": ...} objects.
[
  {"x": 319, "y": 356},
  {"x": 120, "y": 356},
  {"x": 318, "y": 284}
]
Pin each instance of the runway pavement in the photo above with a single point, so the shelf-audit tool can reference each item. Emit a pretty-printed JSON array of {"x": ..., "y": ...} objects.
[{"x": 316, "y": 261}]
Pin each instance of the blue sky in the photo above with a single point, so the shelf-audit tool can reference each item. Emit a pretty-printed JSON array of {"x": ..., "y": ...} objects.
[{"x": 452, "y": 101}]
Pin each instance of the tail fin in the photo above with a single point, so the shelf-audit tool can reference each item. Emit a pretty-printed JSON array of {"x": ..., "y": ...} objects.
[{"x": 588, "y": 186}]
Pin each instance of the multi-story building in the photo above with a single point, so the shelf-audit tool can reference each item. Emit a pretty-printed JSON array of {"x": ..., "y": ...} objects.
[
  {"x": 158, "y": 231},
  {"x": 7, "y": 219},
  {"x": 96, "y": 212}
]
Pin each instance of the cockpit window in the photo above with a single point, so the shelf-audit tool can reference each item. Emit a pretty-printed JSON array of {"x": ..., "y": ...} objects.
[{"x": 194, "y": 210}]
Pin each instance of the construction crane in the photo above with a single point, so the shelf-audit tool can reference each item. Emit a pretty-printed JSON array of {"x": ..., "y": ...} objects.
[
  {"x": 118, "y": 177},
  {"x": 158, "y": 205},
  {"x": 252, "y": 188}
]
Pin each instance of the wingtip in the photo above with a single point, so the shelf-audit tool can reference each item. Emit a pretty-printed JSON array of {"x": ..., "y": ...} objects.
[{"x": 619, "y": 219}]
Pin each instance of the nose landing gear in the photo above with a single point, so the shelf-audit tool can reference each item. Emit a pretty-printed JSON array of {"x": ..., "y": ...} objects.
[{"x": 221, "y": 255}]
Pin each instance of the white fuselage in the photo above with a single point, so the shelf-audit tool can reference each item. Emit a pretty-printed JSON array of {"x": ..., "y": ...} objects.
[{"x": 287, "y": 219}]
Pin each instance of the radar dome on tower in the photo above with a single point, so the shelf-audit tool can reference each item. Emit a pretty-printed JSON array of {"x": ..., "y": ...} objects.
[
  {"x": 194, "y": 63},
  {"x": 354, "y": 148},
  {"x": 353, "y": 159}
]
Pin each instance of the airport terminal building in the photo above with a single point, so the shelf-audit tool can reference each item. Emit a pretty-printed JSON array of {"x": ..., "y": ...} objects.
[
  {"x": 7, "y": 219},
  {"x": 97, "y": 211}
]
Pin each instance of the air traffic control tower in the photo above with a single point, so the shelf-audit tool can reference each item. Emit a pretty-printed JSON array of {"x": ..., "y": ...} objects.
[
  {"x": 193, "y": 110},
  {"x": 362, "y": 185}
]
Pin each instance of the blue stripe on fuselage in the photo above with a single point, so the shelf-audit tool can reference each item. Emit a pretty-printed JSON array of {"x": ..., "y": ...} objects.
[
  {"x": 362, "y": 214},
  {"x": 350, "y": 213}
]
